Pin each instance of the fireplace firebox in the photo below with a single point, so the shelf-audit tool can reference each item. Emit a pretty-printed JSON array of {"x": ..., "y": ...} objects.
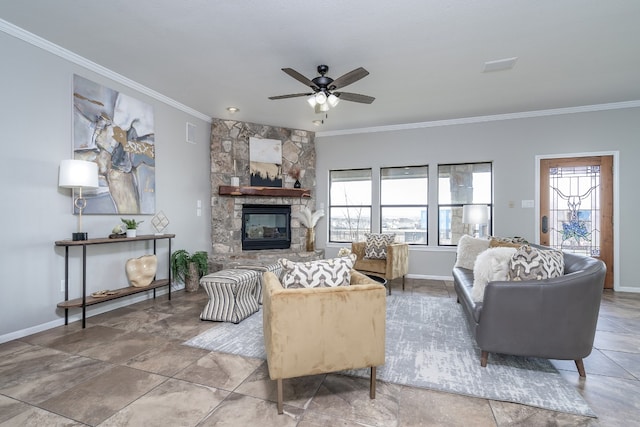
[{"x": 266, "y": 227}]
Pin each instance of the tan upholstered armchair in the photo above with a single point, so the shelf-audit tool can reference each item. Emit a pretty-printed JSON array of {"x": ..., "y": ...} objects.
[
  {"x": 396, "y": 265},
  {"x": 310, "y": 331}
]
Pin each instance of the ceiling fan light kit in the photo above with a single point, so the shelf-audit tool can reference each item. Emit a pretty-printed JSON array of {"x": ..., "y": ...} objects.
[{"x": 324, "y": 95}]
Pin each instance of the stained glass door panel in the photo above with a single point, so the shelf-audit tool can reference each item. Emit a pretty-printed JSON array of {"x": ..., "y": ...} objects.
[{"x": 576, "y": 207}]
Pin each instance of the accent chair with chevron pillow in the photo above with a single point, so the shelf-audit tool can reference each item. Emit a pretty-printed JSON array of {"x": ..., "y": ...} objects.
[{"x": 376, "y": 247}]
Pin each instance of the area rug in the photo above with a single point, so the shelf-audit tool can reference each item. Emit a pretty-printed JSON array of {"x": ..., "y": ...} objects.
[{"x": 429, "y": 346}]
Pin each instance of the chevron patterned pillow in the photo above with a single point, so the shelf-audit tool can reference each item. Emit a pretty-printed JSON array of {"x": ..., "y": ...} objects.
[
  {"x": 376, "y": 247},
  {"x": 317, "y": 274},
  {"x": 536, "y": 264}
]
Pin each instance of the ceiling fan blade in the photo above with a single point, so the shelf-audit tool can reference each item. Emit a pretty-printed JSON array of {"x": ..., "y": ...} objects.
[
  {"x": 299, "y": 77},
  {"x": 354, "y": 97},
  {"x": 350, "y": 77},
  {"x": 291, "y": 95}
]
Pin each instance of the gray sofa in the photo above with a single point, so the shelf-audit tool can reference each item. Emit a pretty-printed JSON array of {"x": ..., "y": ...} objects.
[{"x": 552, "y": 318}]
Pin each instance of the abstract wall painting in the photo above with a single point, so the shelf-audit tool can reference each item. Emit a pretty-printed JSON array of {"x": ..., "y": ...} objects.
[
  {"x": 117, "y": 132},
  {"x": 265, "y": 162}
]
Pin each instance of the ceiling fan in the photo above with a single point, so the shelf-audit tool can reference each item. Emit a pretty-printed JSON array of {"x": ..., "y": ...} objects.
[{"x": 324, "y": 88}]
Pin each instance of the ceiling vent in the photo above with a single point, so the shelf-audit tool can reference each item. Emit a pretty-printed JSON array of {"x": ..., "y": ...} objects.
[{"x": 499, "y": 64}]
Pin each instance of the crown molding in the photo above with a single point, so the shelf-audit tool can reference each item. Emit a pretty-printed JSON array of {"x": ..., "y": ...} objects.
[
  {"x": 482, "y": 119},
  {"x": 63, "y": 53}
]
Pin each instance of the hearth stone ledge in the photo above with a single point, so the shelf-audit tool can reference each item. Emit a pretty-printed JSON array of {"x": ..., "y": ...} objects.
[{"x": 219, "y": 262}]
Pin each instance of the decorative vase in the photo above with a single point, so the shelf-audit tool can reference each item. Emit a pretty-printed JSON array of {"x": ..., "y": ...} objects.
[
  {"x": 192, "y": 279},
  {"x": 311, "y": 240},
  {"x": 297, "y": 184},
  {"x": 131, "y": 232},
  {"x": 141, "y": 270}
]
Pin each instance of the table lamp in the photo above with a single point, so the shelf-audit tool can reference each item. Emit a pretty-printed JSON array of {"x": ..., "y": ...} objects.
[
  {"x": 78, "y": 174},
  {"x": 475, "y": 215}
]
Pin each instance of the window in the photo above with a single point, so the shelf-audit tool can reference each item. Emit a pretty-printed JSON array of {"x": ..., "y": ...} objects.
[
  {"x": 349, "y": 205},
  {"x": 460, "y": 185},
  {"x": 403, "y": 203}
]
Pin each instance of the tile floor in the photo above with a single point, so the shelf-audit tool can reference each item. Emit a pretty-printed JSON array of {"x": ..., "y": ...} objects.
[{"x": 128, "y": 368}]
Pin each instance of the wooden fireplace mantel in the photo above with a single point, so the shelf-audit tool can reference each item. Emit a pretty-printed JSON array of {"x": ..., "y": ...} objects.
[{"x": 229, "y": 190}]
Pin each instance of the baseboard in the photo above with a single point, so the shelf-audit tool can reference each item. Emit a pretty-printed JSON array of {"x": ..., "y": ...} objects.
[
  {"x": 428, "y": 277},
  {"x": 91, "y": 311},
  {"x": 627, "y": 289}
]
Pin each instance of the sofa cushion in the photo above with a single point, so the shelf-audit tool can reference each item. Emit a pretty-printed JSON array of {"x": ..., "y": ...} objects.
[
  {"x": 317, "y": 274},
  {"x": 496, "y": 242},
  {"x": 490, "y": 265},
  {"x": 529, "y": 263},
  {"x": 468, "y": 250},
  {"x": 515, "y": 240},
  {"x": 376, "y": 247}
]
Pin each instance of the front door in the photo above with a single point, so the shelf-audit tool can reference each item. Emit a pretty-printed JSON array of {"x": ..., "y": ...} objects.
[{"x": 576, "y": 207}]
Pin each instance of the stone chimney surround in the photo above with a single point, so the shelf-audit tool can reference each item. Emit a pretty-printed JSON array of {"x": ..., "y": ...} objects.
[{"x": 229, "y": 148}]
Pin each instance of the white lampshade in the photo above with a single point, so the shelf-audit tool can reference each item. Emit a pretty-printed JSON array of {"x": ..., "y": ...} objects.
[
  {"x": 333, "y": 100},
  {"x": 321, "y": 97},
  {"x": 312, "y": 101},
  {"x": 475, "y": 214},
  {"x": 78, "y": 174}
]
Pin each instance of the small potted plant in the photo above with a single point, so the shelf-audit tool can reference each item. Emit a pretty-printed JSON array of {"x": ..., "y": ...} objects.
[
  {"x": 132, "y": 226},
  {"x": 189, "y": 268}
]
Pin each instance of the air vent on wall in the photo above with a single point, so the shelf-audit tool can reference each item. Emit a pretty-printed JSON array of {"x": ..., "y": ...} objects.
[{"x": 191, "y": 133}]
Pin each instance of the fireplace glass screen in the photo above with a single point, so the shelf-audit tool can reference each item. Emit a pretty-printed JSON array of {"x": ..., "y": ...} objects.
[{"x": 266, "y": 227}]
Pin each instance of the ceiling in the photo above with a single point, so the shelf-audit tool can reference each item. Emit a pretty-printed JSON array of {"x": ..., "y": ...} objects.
[{"x": 425, "y": 57}]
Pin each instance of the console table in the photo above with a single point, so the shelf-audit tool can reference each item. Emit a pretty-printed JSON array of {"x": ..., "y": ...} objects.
[{"x": 85, "y": 300}]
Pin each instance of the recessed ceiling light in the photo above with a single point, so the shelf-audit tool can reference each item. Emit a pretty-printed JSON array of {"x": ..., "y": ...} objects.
[
  {"x": 317, "y": 122},
  {"x": 499, "y": 64},
  {"x": 233, "y": 110}
]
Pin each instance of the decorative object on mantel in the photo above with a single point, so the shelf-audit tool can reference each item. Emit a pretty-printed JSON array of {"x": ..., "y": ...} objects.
[
  {"x": 159, "y": 222},
  {"x": 294, "y": 173},
  {"x": 188, "y": 268},
  {"x": 132, "y": 226},
  {"x": 141, "y": 270},
  {"x": 309, "y": 220}
]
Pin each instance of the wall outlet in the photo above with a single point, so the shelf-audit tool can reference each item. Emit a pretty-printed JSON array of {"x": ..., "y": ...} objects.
[{"x": 62, "y": 285}]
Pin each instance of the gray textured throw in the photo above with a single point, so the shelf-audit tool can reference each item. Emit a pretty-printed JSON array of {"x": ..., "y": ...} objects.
[{"x": 429, "y": 346}]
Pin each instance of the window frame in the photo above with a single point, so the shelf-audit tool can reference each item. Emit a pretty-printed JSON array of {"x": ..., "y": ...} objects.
[
  {"x": 406, "y": 205},
  {"x": 348, "y": 206},
  {"x": 460, "y": 205}
]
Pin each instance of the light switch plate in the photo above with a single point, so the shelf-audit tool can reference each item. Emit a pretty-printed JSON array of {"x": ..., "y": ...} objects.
[{"x": 528, "y": 204}]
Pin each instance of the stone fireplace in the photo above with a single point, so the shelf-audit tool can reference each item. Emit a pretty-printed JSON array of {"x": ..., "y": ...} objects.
[{"x": 229, "y": 158}]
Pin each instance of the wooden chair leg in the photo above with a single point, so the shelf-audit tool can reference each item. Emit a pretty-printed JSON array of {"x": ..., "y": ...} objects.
[
  {"x": 280, "y": 395},
  {"x": 372, "y": 384},
  {"x": 580, "y": 366},
  {"x": 484, "y": 356}
]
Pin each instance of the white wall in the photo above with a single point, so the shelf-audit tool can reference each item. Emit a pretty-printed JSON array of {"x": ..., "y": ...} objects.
[
  {"x": 512, "y": 145},
  {"x": 35, "y": 135}
]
